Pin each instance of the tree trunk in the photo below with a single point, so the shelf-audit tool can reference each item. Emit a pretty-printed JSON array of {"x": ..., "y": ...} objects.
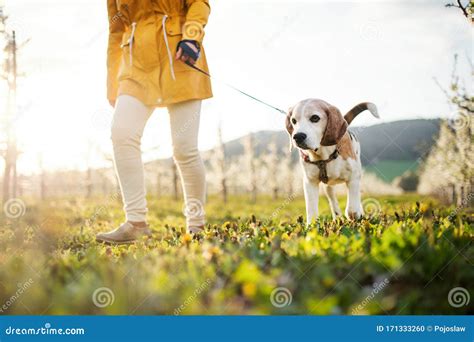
[
  {"x": 42, "y": 186},
  {"x": 89, "y": 183},
  {"x": 224, "y": 189}
]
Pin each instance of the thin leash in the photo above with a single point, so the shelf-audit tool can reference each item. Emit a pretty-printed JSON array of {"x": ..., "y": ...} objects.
[{"x": 236, "y": 89}]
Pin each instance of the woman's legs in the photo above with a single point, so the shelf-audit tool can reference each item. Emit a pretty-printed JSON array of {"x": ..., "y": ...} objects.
[
  {"x": 184, "y": 120},
  {"x": 129, "y": 121}
]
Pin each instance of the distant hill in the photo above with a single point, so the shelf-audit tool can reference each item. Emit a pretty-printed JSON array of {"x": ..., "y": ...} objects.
[
  {"x": 399, "y": 140},
  {"x": 388, "y": 149}
]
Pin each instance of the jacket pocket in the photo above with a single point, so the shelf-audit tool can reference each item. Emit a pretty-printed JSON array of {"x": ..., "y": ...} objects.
[
  {"x": 139, "y": 45},
  {"x": 174, "y": 26}
]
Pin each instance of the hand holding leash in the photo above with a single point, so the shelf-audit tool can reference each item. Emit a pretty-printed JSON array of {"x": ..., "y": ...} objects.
[{"x": 188, "y": 51}]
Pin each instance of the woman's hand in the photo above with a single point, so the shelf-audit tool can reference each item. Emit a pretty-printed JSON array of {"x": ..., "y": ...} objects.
[{"x": 188, "y": 51}]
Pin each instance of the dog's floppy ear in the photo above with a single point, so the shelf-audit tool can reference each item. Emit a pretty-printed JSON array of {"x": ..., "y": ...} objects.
[
  {"x": 289, "y": 126},
  {"x": 336, "y": 127}
]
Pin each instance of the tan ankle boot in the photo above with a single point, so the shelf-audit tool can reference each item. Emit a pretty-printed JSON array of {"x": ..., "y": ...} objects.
[{"x": 126, "y": 233}]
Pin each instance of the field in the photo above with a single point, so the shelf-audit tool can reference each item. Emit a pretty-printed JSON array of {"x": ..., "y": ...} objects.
[
  {"x": 388, "y": 170},
  {"x": 404, "y": 258}
]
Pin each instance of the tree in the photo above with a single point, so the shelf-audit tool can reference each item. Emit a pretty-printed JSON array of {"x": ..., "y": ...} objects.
[
  {"x": 219, "y": 166},
  {"x": 288, "y": 173},
  {"x": 175, "y": 181},
  {"x": 408, "y": 181},
  {"x": 250, "y": 162},
  {"x": 449, "y": 168},
  {"x": 272, "y": 163}
]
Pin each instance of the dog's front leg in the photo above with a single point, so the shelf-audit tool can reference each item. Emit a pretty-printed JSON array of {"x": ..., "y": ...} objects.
[
  {"x": 353, "y": 207},
  {"x": 333, "y": 203},
  {"x": 311, "y": 195}
]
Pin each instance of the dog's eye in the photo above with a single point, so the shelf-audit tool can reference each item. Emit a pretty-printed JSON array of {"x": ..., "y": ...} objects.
[
  {"x": 293, "y": 121},
  {"x": 314, "y": 118}
]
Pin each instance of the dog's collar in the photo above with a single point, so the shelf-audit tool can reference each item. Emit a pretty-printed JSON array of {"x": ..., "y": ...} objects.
[{"x": 321, "y": 164}]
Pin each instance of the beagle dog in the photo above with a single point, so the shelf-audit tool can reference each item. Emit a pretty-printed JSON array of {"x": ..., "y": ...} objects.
[{"x": 329, "y": 153}]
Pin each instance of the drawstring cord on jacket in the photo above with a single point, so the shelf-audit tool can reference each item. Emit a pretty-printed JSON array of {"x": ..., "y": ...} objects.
[
  {"x": 134, "y": 25},
  {"x": 238, "y": 90},
  {"x": 170, "y": 56},
  {"x": 165, "y": 36}
]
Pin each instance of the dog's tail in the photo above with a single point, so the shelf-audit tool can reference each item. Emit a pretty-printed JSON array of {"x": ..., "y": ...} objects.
[{"x": 351, "y": 115}]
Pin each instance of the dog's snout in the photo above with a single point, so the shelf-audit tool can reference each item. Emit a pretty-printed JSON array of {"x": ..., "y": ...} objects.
[{"x": 299, "y": 137}]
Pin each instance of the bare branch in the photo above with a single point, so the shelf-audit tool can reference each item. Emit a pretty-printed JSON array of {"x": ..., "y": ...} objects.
[
  {"x": 463, "y": 9},
  {"x": 445, "y": 92},
  {"x": 460, "y": 6},
  {"x": 466, "y": 108}
]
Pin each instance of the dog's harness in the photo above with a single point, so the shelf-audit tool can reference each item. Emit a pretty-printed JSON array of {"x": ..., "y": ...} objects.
[{"x": 321, "y": 164}]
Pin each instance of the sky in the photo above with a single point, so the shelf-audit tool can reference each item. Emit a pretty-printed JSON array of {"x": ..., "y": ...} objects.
[{"x": 386, "y": 52}]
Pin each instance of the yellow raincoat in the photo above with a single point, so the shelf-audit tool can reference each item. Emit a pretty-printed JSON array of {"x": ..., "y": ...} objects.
[{"x": 141, "y": 54}]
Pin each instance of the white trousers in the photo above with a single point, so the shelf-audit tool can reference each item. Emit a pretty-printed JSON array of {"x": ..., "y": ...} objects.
[{"x": 130, "y": 118}]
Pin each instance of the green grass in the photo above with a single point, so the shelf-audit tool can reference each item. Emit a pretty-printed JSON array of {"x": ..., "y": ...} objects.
[
  {"x": 388, "y": 170},
  {"x": 415, "y": 253}
]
